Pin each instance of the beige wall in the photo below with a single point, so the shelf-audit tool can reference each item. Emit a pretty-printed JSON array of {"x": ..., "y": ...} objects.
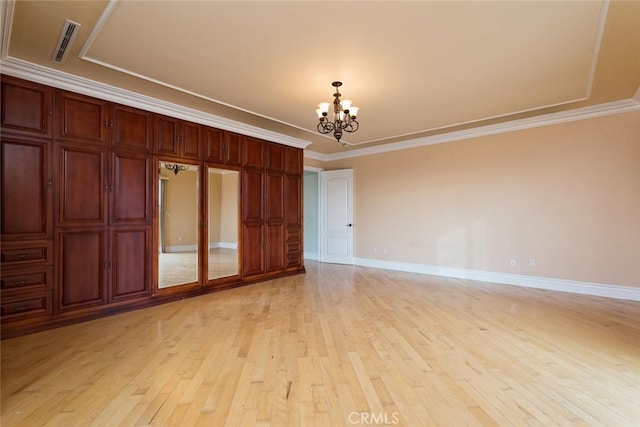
[
  {"x": 229, "y": 208},
  {"x": 567, "y": 195},
  {"x": 181, "y": 209},
  {"x": 223, "y": 207},
  {"x": 215, "y": 193}
]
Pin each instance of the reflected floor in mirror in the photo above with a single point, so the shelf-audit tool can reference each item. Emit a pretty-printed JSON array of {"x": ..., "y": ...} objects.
[
  {"x": 222, "y": 262},
  {"x": 181, "y": 267}
]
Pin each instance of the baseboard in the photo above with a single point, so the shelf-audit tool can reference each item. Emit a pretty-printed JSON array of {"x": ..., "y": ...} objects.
[
  {"x": 311, "y": 255},
  {"x": 222, "y": 245},
  {"x": 181, "y": 248},
  {"x": 563, "y": 285}
]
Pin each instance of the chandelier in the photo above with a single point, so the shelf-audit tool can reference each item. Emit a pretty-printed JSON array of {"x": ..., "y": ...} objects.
[
  {"x": 344, "y": 116},
  {"x": 175, "y": 167}
]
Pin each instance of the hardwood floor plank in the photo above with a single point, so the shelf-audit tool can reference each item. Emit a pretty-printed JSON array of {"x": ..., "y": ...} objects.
[{"x": 338, "y": 346}]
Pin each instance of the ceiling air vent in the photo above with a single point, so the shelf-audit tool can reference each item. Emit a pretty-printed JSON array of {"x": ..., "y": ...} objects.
[{"x": 68, "y": 34}]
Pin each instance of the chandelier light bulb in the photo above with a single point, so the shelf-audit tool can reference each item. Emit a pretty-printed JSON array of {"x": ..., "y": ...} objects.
[
  {"x": 346, "y": 104},
  {"x": 323, "y": 107},
  {"x": 353, "y": 112}
]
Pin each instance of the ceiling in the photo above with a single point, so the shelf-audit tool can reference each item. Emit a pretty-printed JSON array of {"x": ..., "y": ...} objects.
[{"x": 415, "y": 69}]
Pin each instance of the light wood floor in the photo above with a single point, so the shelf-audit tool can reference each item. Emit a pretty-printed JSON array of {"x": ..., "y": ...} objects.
[{"x": 338, "y": 346}]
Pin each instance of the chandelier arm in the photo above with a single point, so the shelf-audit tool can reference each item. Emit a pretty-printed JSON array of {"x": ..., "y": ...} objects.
[
  {"x": 325, "y": 127},
  {"x": 347, "y": 122}
]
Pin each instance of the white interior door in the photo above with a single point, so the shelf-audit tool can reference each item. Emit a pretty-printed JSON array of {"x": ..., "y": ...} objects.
[{"x": 336, "y": 223}]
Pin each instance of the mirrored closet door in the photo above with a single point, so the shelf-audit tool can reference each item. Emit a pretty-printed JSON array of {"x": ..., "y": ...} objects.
[
  {"x": 222, "y": 220},
  {"x": 178, "y": 223}
]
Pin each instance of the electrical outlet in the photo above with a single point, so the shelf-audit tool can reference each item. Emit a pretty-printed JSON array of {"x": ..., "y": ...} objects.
[
  {"x": 512, "y": 263},
  {"x": 375, "y": 250},
  {"x": 532, "y": 262},
  {"x": 384, "y": 251}
]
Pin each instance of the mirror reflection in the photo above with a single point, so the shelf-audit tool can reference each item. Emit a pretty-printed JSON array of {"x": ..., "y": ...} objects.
[
  {"x": 178, "y": 224},
  {"x": 222, "y": 211}
]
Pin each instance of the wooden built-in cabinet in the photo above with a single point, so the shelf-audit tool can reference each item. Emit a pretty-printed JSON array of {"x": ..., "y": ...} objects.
[
  {"x": 26, "y": 184},
  {"x": 26, "y": 200},
  {"x": 26, "y": 108},
  {"x": 222, "y": 147},
  {"x": 293, "y": 165},
  {"x": 78, "y": 221},
  {"x": 103, "y": 217},
  {"x": 263, "y": 207},
  {"x": 26, "y": 280},
  {"x": 178, "y": 138}
]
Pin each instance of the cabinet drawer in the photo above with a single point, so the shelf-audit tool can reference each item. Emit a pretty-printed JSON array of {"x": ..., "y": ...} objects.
[
  {"x": 31, "y": 306},
  {"x": 26, "y": 253},
  {"x": 293, "y": 247},
  {"x": 293, "y": 234},
  {"x": 294, "y": 259},
  {"x": 10, "y": 281}
]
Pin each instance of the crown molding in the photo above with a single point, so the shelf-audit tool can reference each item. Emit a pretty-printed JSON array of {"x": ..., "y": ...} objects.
[
  {"x": 308, "y": 168},
  {"x": 61, "y": 80},
  {"x": 314, "y": 155},
  {"x": 617, "y": 107},
  {"x": 55, "y": 78}
]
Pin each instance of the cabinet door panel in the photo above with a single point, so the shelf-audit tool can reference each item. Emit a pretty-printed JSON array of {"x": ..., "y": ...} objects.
[
  {"x": 232, "y": 149},
  {"x": 81, "y": 268},
  {"x": 253, "y": 153},
  {"x": 275, "y": 197},
  {"x": 293, "y": 161},
  {"x": 132, "y": 128},
  {"x": 252, "y": 195},
  {"x": 213, "y": 145},
  {"x": 131, "y": 195},
  {"x": 131, "y": 268},
  {"x": 293, "y": 200},
  {"x": 252, "y": 249},
  {"x": 82, "y": 191},
  {"x": 81, "y": 118},
  {"x": 275, "y": 157},
  {"x": 166, "y": 135},
  {"x": 24, "y": 190},
  {"x": 26, "y": 107},
  {"x": 274, "y": 247},
  {"x": 191, "y": 138}
]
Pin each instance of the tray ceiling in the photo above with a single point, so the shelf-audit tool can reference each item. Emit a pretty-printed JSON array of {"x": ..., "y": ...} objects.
[{"x": 413, "y": 68}]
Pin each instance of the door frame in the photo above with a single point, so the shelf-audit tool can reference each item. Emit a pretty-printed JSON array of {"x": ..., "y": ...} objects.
[{"x": 316, "y": 253}]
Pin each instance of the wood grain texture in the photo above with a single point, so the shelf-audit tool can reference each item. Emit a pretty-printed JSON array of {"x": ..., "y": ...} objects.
[{"x": 340, "y": 345}]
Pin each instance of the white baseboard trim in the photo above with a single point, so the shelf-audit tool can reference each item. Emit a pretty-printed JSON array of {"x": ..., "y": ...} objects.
[
  {"x": 311, "y": 255},
  {"x": 181, "y": 248},
  {"x": 549, "y": 283},
  {"x": 223, "y": 245}
]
